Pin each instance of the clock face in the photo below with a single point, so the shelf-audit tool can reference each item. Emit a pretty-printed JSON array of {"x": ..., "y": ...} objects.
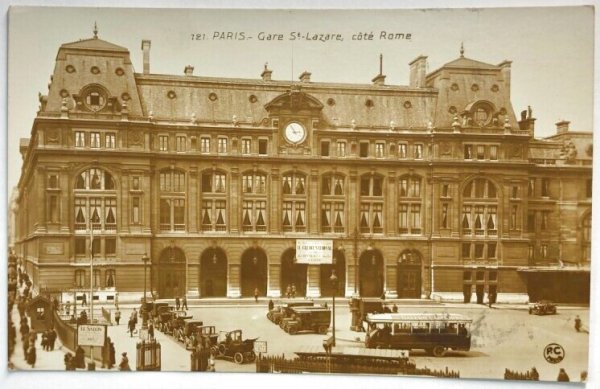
[{"x": 295, "y": 133}]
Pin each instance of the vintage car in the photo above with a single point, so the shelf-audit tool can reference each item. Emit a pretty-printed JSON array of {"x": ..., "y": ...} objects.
[
  {"x": 360, "y": 308},
  {"x": 542, "y": 307},
  {"x": 313, "y": 319},
  {"x": 184, "y": 332},
  {"x": 203, "y": 335},
  {"x": 283, "y": 309},
  {"x": 163, "y": 317},
  {"x": 230, "y": 345}
]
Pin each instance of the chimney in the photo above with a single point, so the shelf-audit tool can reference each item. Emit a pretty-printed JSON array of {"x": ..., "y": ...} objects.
[
  {"x": 189, "y": 70},
  {"x": 266, "y": 74},
  {"x": 562, "y": 127},
  {"x": 418, "y": 71},
  {"x": 305, "y": 76},
  {"x": 505, "y": 70},
  {"x": 146, "y": 51}
]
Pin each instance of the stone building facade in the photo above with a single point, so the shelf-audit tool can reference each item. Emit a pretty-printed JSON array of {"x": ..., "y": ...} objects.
[{"x": 433, "y": 189}]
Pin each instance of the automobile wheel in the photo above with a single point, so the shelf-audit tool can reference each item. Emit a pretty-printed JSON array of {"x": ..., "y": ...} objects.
[
  {"x": 222, "y": 349},
  {"x": 323, "y": 330},
  {"x": 270, "y": 316},
  {"x": 292, "y": 330},
  {"x": 439, "y": 351},
  {"x": 277, "y": 321},
  {"x": 530, "y": 311},
  {"x": 238, "y": 358},
  {"x": 214, "y": 351},
  {"x": 251, "y": 356}
]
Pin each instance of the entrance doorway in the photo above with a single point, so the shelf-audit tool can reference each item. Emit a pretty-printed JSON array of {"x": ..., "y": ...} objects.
[
  {"x": 339, "y": 265},
  {"x": 254, "y": 272},
  {"x": 171, "y": 273},
  {"x": 213, "y": 273},
  {"x": 371, "y": 273},
  {"x": 292, "y": 274},
  {"x": 409, "y": 274}
]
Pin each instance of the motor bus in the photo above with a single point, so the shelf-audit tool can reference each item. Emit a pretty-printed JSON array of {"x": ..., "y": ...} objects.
[{"x": 433, "y": 332}]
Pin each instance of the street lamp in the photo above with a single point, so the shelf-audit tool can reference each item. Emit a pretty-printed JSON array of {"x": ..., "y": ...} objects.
[
  {"x": 334, "y": 285},
  {"x": 145, "y": 259}
]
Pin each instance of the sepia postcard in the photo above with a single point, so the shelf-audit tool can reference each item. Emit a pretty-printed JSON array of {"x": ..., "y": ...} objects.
[{"x": 386, "y": 194}]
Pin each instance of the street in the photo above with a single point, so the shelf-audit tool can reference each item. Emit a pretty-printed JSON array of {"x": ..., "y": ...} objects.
[{"x": 505, "y": 336}]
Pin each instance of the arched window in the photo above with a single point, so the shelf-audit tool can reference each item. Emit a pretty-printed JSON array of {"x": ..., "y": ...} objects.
[
  {"x": 333, "y": 216},
  {"x": 294, "y": 202},
  {"x": 254, "y": 203},
  {"x": 213, "y": 215},
  {"x": 95, "y": 201},
  {"x": 172, "y": 200},
  {"x": 371, "y": 204},
  {"x": 409, "y": 207}
]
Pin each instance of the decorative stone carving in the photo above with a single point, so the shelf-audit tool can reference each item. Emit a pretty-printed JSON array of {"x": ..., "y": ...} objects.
[
  {"x": 52, "y": 136},
  {"x": 569, "y": 152},
  {"x": 445, "y": 148},
  {"x": 135, "y": 137}
]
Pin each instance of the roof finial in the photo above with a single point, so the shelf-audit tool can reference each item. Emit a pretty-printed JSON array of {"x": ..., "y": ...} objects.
[
  {"x": 95, "y": 30},
  {"x": 462, "y": 50},
  {"x": 266, "y": 65},
  {"x": 380, "y": 64}
]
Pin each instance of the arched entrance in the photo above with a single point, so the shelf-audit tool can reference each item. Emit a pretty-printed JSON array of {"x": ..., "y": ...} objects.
[
  {"x": 339, "y": 265},
  {"x": 409, "y": 274},
  {"x": 371, "y": 273},
  {"x": 292, "y": 273},
  {"x": 254, "y": 272},
  {"x": 213, "y": 273},
  {"x": 171, "y": 273}
]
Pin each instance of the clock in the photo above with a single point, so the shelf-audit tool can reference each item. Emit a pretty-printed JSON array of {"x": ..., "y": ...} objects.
[{"x": 295, "y": 133}]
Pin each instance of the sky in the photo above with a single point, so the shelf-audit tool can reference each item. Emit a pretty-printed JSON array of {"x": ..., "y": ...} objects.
[{"x": 551, "y": 50}]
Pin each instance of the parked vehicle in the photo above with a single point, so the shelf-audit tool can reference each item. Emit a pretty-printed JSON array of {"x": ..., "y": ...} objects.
[
  {"x": 433, "y": 332},
  {"x": 185, "y": 332},
  {"x": 360, "y": 308},
  {"x": 231, "y": 345},
  {"x": 163, "y": 317},
  {"x": 314, "y": 319},
  {"x": 542, "y": 307},
  {"x": 208, "y": 336},
  {"x": 283, "y": 309}
]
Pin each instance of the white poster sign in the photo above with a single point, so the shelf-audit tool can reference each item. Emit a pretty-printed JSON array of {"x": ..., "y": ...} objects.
[
  {"x": 91, "y": 334},
  {"x": 314, "y": 252}
]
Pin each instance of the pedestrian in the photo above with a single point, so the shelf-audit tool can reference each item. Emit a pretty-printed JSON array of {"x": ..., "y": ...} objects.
[
  {"x": 151, "y": 330},
  {"x": 131, "y": 326},
  {"x": 45, "y": 341},
  {"x": 117, "y": 316},
  {"x": 184, "y": 302},
  {"x": 256, "y": 294},
  {"x": 271, "y": 305},
  {"x": 106, "y": 353},
  {"x": 55, "y": 304},
  {"x": 31, "y": 356},
  {"x": 79, "y": 358},
  {"x": 52, "y": 338},
  {"x": 562, "y": 376},
  {"x": 394, "y": 308},
  {"x": 124, "y": 365},
  {"x": 84, "y": 300},
  {"x": 288, "y": 291},
  {"x": 68, "y": 361},
  {"x": 134, "y": 314},
  {"x": 177, "y": 303},
  {"x": 117, "y": 301},
  {"x": 111, "y": 350},
  {"x": 577, "y": 323},
  {"x": 293, "y": 290},
  {"x": 25, "y": 347}
]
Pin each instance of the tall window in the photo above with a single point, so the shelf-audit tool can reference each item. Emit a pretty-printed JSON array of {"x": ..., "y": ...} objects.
[
  {"x": 95, "y": 140},
  {"x": 332, "y": 203},
  {"x": 409, "y": 193},
  {"x": 364, "y": 149},
  {"x": 480, "y": 207},
  {"x": 80, "y": 278},
  {"x": 110, "y": 141},
  {"x": 254, "y": 204},
  {"x": 172, "y": 200},
  {"x": 205, "y": 145},
  {"x": 493, "y": 152},
  {"x": 371, "y": 204},
  {"x": 294, "y": 202},
  {"x": 379, "y": 149},
  {"x": 163, "y": 142},
  {"x": 545, "y": 187},
  {"x": 95, "y": 201},
  {"x": 135, "y": 210},
  {"x": 341, "y": 148},
  {"x": 79, "y": 139},
  {"x": 418, "y": 151},
  {"x": 325, "y": 145},
  {"x": 222, "y": 145},
  {"x": 214, "y": 201},
  {"x": 402, "y": 150},
  {"x": 110, "y": 280},
  {"x": 181, "y": 143},
  {"x": 254, "y": 183},
  {"x": 263, "y": 146},
  {"x": 246, "y": 146}
]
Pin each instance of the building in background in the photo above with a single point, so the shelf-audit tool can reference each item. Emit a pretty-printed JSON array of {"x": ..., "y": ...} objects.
[{"x": 435, "y": 189}]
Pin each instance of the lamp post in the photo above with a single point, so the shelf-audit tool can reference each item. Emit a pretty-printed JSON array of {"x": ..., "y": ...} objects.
[
  {"x": 145, "y": 259},
  {"x": 334, "y": 284}
]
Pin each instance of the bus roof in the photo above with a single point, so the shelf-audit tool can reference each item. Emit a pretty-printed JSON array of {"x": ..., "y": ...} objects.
[{"x": 417, "y": 317}]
